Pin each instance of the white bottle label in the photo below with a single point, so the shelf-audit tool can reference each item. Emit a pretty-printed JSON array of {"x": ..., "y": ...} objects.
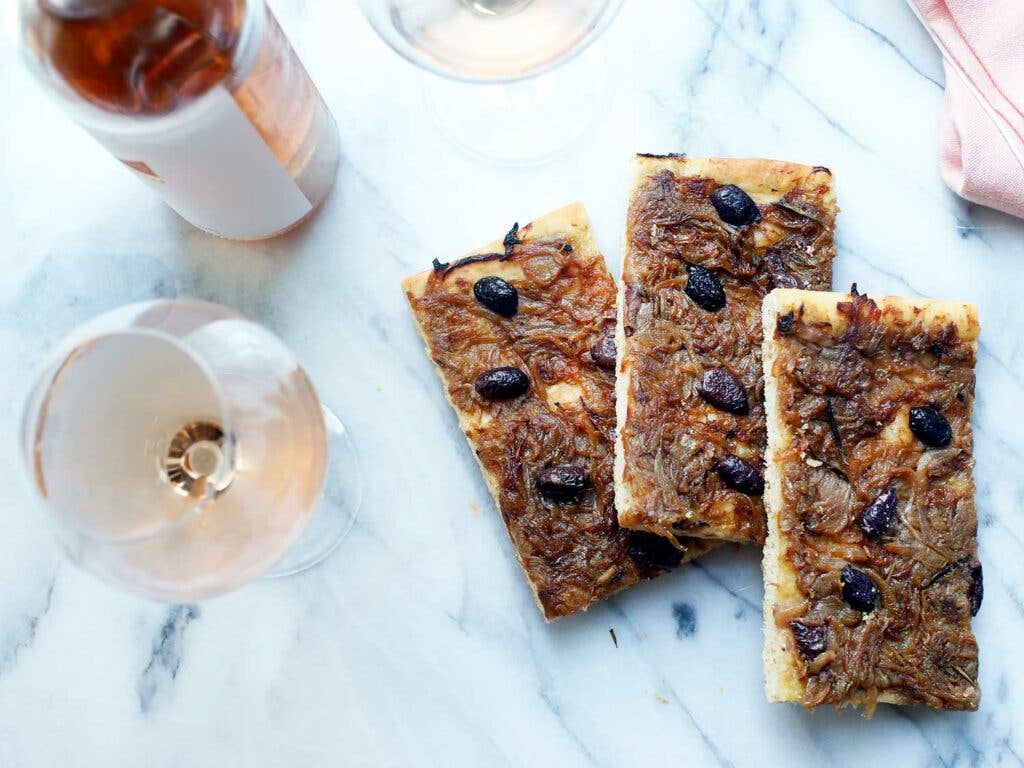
[{"x": 215, "y": 170}]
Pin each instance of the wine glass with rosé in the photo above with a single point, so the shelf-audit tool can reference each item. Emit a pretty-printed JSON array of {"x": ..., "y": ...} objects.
[
  {"x": 182, "y": 451},
  {"x": 507, "y": 96}
]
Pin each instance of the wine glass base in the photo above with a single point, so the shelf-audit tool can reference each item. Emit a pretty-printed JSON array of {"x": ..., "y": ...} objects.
[
  {"x": 528, "y": 122},
  {"x": 335, "y": 514}
]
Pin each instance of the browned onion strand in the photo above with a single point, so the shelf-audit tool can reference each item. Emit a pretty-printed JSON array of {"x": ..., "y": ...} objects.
[
  {"x": 918, "y": 644},
  {"x": 574, "y": 553},
  {"x": 671, "y": 447}
]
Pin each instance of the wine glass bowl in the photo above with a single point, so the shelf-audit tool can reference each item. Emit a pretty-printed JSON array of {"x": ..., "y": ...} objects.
[
  {"x": 181, "y": 449},
  {"x": 490, "y": 41},
  {"x": 502, "y": 96}
]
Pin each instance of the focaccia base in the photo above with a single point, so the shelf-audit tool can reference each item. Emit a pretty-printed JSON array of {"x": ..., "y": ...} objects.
[
  {"x": 782, "y": 680},
  {"x": 573, "y": 223},
  {"x": 570, "y": 219},
  {"x": 765, "y": 181}
]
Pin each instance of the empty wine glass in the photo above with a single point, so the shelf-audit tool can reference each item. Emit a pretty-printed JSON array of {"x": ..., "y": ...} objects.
[
  {"x": 505, "y": 100},
  {"x": 183, "y": 452}
]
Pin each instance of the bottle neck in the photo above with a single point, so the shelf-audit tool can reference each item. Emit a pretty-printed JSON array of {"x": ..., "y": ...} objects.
[{"x": 156, "y": 78}]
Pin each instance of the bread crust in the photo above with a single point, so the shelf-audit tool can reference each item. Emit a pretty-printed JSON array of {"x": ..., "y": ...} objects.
[
  {"x": 764, "y": 180},
  {"x": 781, "y": 660},
  {"x": 568, "y": 391},
  {"x": 570, "y": 220},
  {"x": 767, "y": 182}
]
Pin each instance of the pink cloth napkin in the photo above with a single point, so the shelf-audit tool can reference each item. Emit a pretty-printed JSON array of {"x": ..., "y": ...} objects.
[{"x": 982, "y": 135}]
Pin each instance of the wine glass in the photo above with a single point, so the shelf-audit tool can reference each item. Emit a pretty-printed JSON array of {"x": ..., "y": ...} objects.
[
  {"x": 505, "y": 100},
  {"x": 182, "y": 451}
]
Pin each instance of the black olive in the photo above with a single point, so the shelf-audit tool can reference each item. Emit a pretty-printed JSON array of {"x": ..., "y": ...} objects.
[
  {"x": 876, "y": 516},
  {"x": 930, "y": 427},
  {"x": 563, "y": 484},
  {"x": 497, "y": 295},
  {"x": 811, "y": 640},
  {"x": 859, "y": 591},
  {"x": 652, "y": 552},
  {"x": 739, "y": 474},
  {"x": 501, "y": 383},
  {"x": 704, "y": 287},
  {"x": 976, "y": 591},
  {"x": 735, "y": 206},
  {"x": 603, "y": 352},
  {"x": 724, "y": 391},
  {"x": 785, "y": 322}
]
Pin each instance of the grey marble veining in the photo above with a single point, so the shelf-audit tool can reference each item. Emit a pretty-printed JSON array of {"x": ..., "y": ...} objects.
[{"x": 417, "y": 643}]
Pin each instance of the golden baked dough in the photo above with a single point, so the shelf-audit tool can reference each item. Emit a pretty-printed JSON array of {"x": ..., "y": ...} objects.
[
  {"x": 670, "y": 440},
  {"x": 573, "y": 552},
  {"x": 842, "y": 373}
]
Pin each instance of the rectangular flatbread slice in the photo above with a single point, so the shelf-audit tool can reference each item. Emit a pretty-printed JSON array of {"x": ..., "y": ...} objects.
[
  {"x": 871, "y": 564},
  {"x": 539, "y": 308},
  {"x": 705, "y": 240}
]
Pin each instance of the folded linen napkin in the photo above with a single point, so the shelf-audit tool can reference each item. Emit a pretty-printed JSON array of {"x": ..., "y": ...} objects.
[{"x": 982, "y": 134}]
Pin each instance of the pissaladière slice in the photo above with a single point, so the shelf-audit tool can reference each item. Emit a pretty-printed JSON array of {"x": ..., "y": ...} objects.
[
  {"x": 871, "y": 565},
  {"x": 705, "y": 240},
  {"x": 522, "y": 334}
]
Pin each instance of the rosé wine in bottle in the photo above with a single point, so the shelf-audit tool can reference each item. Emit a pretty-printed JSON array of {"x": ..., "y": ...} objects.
[{"x": 204, "y": 100}]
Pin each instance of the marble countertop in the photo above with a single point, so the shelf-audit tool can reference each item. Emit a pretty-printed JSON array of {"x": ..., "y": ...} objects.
[{"x": 418, "y": 643}]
